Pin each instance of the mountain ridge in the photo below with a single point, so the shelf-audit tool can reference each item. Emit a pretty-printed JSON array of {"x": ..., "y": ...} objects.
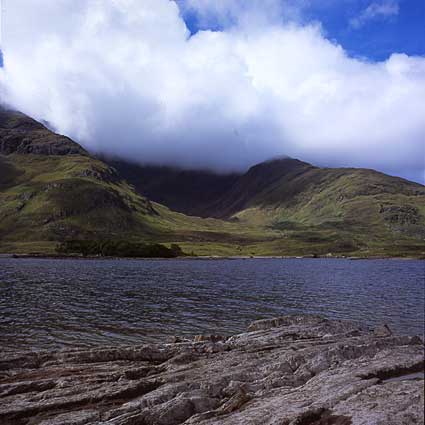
[
  {"x": 52, "y": 189},
  {"x": 261, "y": 179}
]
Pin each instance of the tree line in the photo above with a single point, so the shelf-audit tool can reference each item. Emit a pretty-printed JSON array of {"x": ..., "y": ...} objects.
[{"x": 113, "y": 248}]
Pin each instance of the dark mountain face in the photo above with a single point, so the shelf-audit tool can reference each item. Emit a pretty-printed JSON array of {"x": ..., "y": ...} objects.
[
  {"x": 204, "y": 193},
  {"x": 186, "y": 191}
]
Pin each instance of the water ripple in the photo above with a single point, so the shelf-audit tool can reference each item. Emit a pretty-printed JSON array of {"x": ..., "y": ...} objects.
[{"x": 49, "y": 304}]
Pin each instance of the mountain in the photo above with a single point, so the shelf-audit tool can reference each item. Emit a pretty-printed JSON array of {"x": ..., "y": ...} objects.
[
  {"x": 52, "y": 190},
  {"x": 346, "y": 209},
  {"x": 185, "y": 191}
]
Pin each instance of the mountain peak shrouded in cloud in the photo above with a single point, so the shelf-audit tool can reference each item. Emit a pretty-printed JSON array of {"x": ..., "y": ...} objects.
[{"x": 128, "y": 78}]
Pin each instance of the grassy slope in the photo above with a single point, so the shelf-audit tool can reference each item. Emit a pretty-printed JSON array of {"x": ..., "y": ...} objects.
[
  {"x": 51, "y": 189},
  {"x": 288, "y": 207},
  {"x": 45, "y": 199},
  {"x": 353, "y": 210},
  {"x": 53, "y": 197}
]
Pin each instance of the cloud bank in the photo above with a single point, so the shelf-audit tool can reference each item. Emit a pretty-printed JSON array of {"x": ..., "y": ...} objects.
[{"x": 126, "y": 77}]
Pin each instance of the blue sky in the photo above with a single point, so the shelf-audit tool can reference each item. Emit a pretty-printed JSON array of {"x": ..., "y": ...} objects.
[
  {"x": 378, "y": 37},
  {"x": 389, "y": 26}
]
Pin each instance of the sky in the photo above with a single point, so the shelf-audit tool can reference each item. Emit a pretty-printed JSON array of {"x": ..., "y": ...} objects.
[{"x": 224, "y": 84}]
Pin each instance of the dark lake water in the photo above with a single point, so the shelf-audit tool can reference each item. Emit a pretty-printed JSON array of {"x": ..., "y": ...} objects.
[{"x": 46, "y": 304}]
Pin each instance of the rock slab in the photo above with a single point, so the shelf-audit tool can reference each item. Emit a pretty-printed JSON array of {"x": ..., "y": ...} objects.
[{"x": 293, "y": 370}]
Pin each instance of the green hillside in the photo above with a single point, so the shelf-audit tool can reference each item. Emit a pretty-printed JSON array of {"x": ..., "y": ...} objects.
[
  {"x": 358, "y": 208},
  {"x": 52, "y": 190},
  {"x": 308, "y": 209}
]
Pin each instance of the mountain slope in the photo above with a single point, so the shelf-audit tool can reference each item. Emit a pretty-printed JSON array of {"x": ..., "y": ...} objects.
[
  {"x": 263, "y": 184},
  {"x": 52, "y": 190},
  {"x": 312, "y": 208},
  {"x": 363, "y": 208},
  {"x": 22, "y": 135},
  {"x": 185, "y": 191},
  {"x": 297, "y": 191}
]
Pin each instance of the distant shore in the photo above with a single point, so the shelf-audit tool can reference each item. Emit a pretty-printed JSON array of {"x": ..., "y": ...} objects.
[{"x": 205, "y": 257}]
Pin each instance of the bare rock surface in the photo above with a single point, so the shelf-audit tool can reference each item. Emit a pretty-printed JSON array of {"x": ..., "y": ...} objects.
[
  {"x": 293, "y": 370},
  {"x": 23, "y": 135}
]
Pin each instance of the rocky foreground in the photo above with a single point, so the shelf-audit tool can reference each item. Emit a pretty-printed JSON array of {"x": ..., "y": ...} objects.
[{"x": 293, "y": 370}]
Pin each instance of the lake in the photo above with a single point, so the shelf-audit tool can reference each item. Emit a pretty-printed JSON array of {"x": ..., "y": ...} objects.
[{"x": 50, "y": 304}]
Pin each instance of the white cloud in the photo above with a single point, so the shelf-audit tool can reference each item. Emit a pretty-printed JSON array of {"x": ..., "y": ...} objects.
[
  {"x": 126, "y": 77},
  {"x": 384, "y": 9}
]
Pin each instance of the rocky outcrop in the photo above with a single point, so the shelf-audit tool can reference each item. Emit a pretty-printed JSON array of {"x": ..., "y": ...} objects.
[
  {"x": 404, "y": 214},
  {"x": 294, "y": 370},
  {"x": 23, "y": 135}
]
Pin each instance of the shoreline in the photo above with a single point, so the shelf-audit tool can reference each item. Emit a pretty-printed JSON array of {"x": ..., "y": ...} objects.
[
  {"x": 207, "y": 257},
  {"x": 298, "y": 369}
]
